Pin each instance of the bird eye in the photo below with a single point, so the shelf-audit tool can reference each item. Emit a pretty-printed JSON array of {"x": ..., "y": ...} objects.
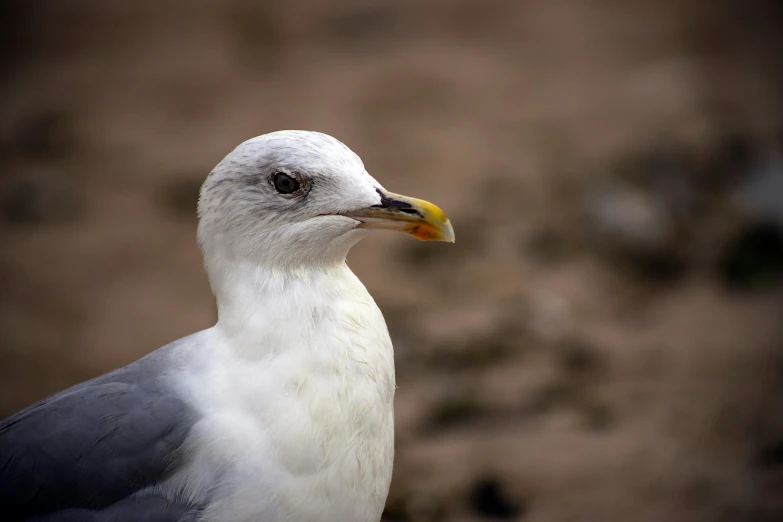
[{"x": 284, "y": 183}]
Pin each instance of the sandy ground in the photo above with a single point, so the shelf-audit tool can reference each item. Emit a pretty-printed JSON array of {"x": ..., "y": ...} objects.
[{"x": 585, "y": 352}]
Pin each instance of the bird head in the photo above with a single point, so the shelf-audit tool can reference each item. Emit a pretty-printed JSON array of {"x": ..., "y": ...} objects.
[{"x": 293, "y": 198}]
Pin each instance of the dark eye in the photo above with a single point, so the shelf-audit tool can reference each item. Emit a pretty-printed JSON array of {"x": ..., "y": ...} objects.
[{"x": 284, "y": 183}]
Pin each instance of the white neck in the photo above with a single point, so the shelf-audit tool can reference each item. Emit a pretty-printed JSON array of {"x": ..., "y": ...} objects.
[{"x": 267, "y": 310}]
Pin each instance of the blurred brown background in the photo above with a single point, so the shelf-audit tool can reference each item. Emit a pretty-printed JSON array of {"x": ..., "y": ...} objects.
[{"x": 604, "y": 341}]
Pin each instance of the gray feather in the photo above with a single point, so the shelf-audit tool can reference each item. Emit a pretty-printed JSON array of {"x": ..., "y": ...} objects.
[
  {"x": 94, "y": 445},
  {"x": 132, "y": 509}
]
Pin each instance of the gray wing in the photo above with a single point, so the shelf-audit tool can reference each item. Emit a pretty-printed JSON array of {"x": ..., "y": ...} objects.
[
  {"x": 85, "y": 453},
  {"x": 147, "y": 508}
]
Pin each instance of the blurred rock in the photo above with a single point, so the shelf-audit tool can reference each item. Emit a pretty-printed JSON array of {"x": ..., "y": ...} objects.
[
  {"x": 17, "y": 34},
  {"x": 422, "y": 507},
  {"x": 506, "y": 335},
  {"x": 394, "y": 515},
  {"x": 754, "y": 258},
  {"x": 771, "y": 455},
  {"x": 729, "y": 164},
  {"x": 455, "y": 406},
  {"x": 760, "y": 195},
  {"x": 571, "y": 402},
  {"x": 596, "y": 415},
  {"x": 555, "y": 395},
  {"x": 258, "y": 34},
  {"x": 546, "y": 246},
  {"x": 644, "y": 214},
  {"x": 370, "y": 22},
  {"x": 180, "y": 197},
  {"x": 549, "y": 317},
  {"x": 36, "y": 199},
  {"x": 629, "y": 219},
  {"x": 669, "y": 173},
  {"x": 578, "y": 359},
  {"x": 46, "y": 135},
  {"x": 489, "y": 500},
  {"x": 472, "y": 353}
]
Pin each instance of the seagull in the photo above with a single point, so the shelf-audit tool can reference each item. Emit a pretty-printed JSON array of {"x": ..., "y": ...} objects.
[{"x": 283, "y": 410}]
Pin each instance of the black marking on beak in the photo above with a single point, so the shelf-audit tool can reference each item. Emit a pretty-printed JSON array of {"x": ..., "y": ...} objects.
[{"x": 394, "y": 204}]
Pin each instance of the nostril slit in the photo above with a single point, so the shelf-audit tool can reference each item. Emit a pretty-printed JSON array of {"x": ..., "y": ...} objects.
[{"x": 409, "y": 210}]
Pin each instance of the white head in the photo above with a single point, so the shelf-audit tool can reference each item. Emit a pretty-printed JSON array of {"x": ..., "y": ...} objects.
[{"x": 293, "y": 199}]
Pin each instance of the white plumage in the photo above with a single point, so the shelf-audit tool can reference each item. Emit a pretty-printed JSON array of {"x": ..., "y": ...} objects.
[
  {"x": 298, "y": 403},
  {"x": 296, "y": 380}
]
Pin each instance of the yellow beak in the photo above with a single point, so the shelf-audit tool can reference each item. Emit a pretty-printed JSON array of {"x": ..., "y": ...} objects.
[{"x": 417, "y": 217}]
